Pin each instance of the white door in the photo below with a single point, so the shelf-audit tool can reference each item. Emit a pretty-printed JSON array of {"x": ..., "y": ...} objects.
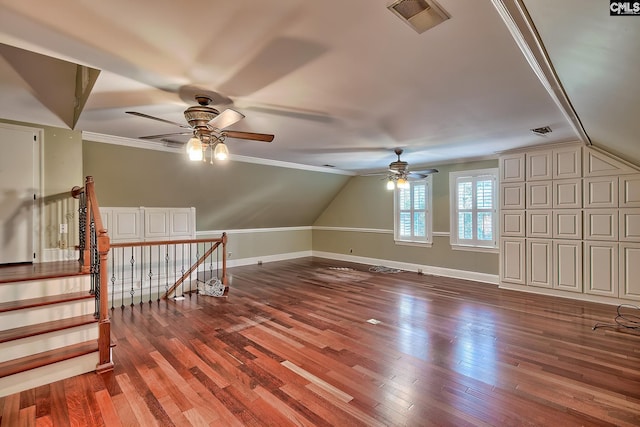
[{"x": 17, "y": 190}]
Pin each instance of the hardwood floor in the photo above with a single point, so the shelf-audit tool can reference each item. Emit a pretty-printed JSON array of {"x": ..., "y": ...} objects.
[{"x": 291, "y": 345}]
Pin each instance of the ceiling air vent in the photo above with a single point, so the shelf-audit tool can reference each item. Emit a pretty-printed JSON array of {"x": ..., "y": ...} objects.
[
  {"x": 541, "y": 131},
  {"x": 419, "y": 14}
]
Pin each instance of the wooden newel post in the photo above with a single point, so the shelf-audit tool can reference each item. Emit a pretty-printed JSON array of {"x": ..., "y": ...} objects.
[
  {"x": 104, "y": 335},
  {"x": 224, "y": 259}
]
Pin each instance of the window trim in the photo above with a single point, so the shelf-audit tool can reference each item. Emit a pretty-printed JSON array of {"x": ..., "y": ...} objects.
[
  {"x": 428, "y": 239},
  {"x": 453, "y": 210}
]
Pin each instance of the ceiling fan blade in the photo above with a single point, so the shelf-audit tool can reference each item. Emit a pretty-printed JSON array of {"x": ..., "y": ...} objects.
[
  {"x": 172, "y": 143},
  {"x": 226, "y": 118},
  {"x": 263, "y": 137},
  {"x": 164, "y": 135},
  {"x": 146, "y": 116},
  {"x": 422, "y": 174},
  {"x": 375, "y": 174}
]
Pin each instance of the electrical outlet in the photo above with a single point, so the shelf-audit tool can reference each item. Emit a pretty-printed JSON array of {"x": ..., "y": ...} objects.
[
  {"x": 229, "y": 254},
  {"x": 63, "y": 229}
]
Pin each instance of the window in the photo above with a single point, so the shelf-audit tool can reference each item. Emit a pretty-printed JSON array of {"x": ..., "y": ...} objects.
[
  {"x": 474, "y": 216},
  {"x": 413, "y": 212}
]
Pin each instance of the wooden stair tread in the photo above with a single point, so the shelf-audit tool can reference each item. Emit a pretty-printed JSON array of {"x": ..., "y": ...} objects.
[
  {"x": 38, "y": 360},
  {"x": 43, "y": 328},
  {"x": 41, "y": 301},
  {"x": 44, "y": 270}
]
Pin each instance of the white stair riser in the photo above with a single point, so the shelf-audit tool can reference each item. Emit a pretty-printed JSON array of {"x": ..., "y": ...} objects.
[
  {"x": 49, "y": 341},
  {"x": 44, "y": 287},
  {"x": 48, "y": 374},
  {"x": 47, "y": 313}
]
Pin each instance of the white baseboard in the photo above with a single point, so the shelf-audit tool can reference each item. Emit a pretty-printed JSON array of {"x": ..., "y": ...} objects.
[
  {"x": 267, "y": 258},
  {"x": 426, "y": 269}
]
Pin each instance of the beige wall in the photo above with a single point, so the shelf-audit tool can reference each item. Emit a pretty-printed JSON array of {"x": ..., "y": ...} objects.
[
  {"x": 266, "y": 244},
  {"x": 233, "y": 195},
  {"x": 365, "y": 203}
]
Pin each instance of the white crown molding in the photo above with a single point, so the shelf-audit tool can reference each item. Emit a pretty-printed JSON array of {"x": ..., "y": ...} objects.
[
  {"x": 517, "y": 19},
  {"x": 153, "y": 145}
]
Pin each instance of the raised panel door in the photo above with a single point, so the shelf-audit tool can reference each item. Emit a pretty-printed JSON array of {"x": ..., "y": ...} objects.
[
  {"x": 567, "y": 194},
  {"x": 512, "y": 168},
  {"x": 567, "y": 162},
  {"x": 539, "y": 224},
  {"x": 512, "y": 224},
  {"x": 601, "y": 192},
  {"x": 630, "y": 271},
  {"x": 539, "y": 263},
  {"x": 601, "y": 268},
  {"x": 600, "y": 224},
  {"x": 629, "y": 225},
  {"x": 538, "y": 165},
  {"x": 629, "y": 191},
  {"x": 567, "y": 224},
  {"x": 568, "y": 265},
  {"x": 512, "y": 196},
  {"x": 539, "y": 195},
  {"x": 512, "y": 260}
]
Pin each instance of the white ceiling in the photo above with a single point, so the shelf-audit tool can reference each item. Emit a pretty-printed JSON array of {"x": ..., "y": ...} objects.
[{"x": 337, "y": 82}]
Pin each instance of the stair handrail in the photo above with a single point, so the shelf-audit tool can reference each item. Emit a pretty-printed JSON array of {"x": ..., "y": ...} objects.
[
  {"x": 94, "y": 249},
  {"x": 216, "y": 242}
]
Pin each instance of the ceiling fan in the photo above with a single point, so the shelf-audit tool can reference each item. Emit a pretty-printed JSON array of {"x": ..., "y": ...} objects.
[
  {"x": 399, "y": 174},
  {"x": 207, "y": 127}
]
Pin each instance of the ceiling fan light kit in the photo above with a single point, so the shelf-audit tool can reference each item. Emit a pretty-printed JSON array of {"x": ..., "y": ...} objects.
[
  {"x": 208, "y": 130},
  {"x": 398, "y": 174}
]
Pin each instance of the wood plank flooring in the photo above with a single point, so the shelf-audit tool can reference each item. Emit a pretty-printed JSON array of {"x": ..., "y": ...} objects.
[{"x": 291, "y": 345}]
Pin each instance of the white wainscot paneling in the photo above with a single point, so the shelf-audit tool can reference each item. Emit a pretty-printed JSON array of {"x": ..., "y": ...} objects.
[
  {"x": 567, "y": 224},
  {"x": 601, "y": 268},
  {"x": 567, "y": 162},
  {"x": 182, "y": 223},
  {"x": 156, "y": 223},
  {"x": 539, "y": 224},
  {"x": 512, "y": 168},
  {"x": 567, "y": 194},
  {"x": 512, "y": 224},
  {"x": 126, "y": 225},
  {"x": 630, "y": 270},
  {"x": 601, "y": 192},
  {"x": 512, "y": 196},
  {"x": 568, "y": 265},
  {"x": 630, "y": 191},
  {"x": 629, "y": 224},
  {"x": 600, "y": 224},
  {"x": 538, "y": 165},
  {"x": 512, "y": 261},
  {"x": 539, "y": 263},
  {"x": 539, "y": 195}
]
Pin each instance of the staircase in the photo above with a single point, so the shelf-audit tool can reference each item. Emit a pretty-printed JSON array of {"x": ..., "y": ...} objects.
[{"x": 48, "y": 330}]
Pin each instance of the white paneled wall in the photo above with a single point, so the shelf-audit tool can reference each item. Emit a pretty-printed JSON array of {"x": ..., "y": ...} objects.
[{"x": 571, "y": 222}]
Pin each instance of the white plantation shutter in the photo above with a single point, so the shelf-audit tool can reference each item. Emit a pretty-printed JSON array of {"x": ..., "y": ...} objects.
[
  {"x": 473, "y": 208},
  {"x": 413, "y": 212}
]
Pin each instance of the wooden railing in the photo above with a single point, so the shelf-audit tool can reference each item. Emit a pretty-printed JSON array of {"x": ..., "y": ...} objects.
[
  {"x": 147, "y": 271},
  {"x": 94, "y": 248}
]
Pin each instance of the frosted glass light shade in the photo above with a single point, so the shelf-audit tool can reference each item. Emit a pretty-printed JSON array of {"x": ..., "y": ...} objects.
[
  {"x": 403, "y": 183},
  {"x": 221, "y": 152},
  {"x": 390, "y": 185},
  {"x": 194, "y": 149}
]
